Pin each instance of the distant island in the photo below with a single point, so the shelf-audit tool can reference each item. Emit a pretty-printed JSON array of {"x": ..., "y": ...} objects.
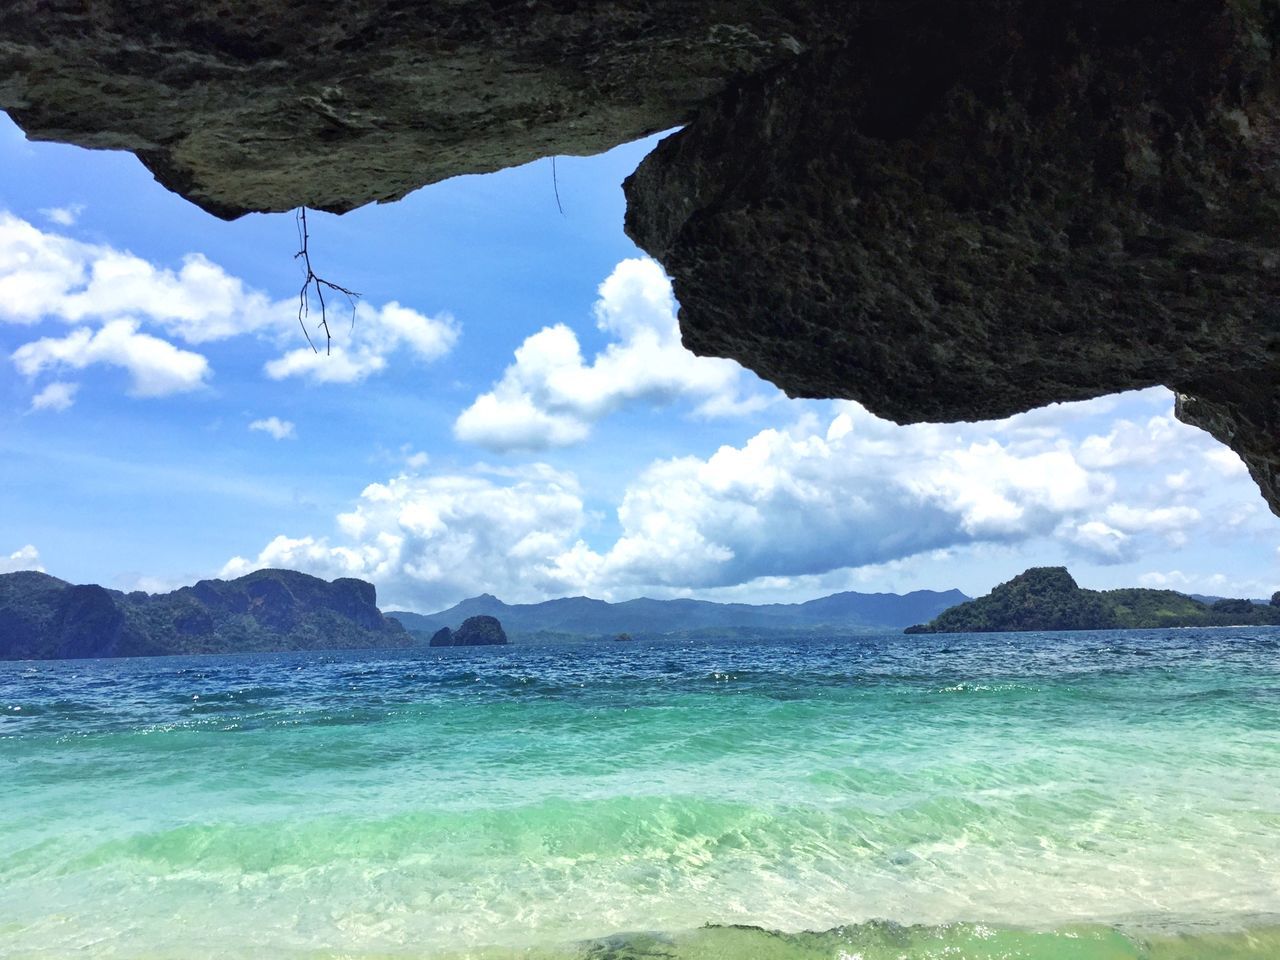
[
  {"x": 44, "y": 618},
  {"x": 479, "y": 631},
  {"x": 583, "y": 617},
  {"x": 1048, "y": 598}
]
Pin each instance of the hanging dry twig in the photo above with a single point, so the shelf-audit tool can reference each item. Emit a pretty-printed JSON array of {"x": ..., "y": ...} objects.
[
  {"x": 304, "y": 295},
  {"x": 555, "y": 185}
]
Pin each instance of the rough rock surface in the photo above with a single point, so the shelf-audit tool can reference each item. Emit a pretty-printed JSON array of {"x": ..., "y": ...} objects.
[
  {"x": 266, "y": 106},
  {"x": 478, "y": 631},
  {"x": 944, "y": 210},
  {"x": 976, "y": 215}
]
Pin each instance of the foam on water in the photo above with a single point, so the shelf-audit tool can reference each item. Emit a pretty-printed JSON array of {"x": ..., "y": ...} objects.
[{"x": 1088, "y": 795}]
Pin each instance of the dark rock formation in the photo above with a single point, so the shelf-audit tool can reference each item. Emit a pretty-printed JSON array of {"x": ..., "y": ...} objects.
[
  {"x": 475, "y": 632},
  {"x": 943, "y": 210},
  {"x": 272, "y": 105},
  {"x": 42, "y": 617},
  {"x": 967, "y": 216}
]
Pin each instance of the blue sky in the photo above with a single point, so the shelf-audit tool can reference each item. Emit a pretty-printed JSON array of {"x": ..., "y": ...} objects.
[{"x": 512, "y": 412}]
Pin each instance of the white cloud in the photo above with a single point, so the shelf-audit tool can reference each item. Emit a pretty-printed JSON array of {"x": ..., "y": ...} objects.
[
  {"x": 280, "y": 429},
  {"x": 131, "y": 581},
  {"x": 157, "y": 367},
  {"x": 1226, "y": 461},
  {"x": 861, "y": 491},
  {"x": 427, "y": 541},
  {"x": 46, "y": 275},
  {"x": 1129, "y": 443},
  {"x": 1211, "y": 584},
  {"x": 375, "y": 335},
  {"x": 550, "y": 396},
  {"x": 802, "y": 508},
  {"x": 63, "y": 216},
  {"x": 1098, "y": 541},
  {"x": 1160, "y": 519},
  {"x": 56, "y": 396},
  {"x": 24, "y": 558}
]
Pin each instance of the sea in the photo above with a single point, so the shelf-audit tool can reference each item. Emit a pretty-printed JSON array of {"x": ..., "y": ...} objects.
[{"x": 1075, "y": 796}]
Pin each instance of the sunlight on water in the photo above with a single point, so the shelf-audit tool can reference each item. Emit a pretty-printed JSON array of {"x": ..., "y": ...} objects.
[{"x": 1085, "y": 796}]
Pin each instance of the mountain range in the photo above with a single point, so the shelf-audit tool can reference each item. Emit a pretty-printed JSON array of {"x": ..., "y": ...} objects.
[
  {"x": 43, "y": 617},
  {"x": 583, "y": 616}
]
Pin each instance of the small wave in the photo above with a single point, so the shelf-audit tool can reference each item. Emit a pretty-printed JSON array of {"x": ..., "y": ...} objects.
[{"x": 884, "y": 940}]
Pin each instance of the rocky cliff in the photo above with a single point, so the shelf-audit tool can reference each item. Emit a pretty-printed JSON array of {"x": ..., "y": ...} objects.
[
  {"x": 479, "y": 631},
  {"x": 943, "y": 210},
  {"x": 42, "y": 617}
]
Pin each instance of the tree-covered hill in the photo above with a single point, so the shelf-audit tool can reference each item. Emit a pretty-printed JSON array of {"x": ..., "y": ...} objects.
[
  {"x": 1047, "y": 598},
  {"x": 42, "y": 617}
]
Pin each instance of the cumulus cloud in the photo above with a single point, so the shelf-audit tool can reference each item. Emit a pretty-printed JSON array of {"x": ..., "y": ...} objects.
[
  {"x": 550, "y": 396},
  {"x": 1098, "y": 540},
  {"x": 376, "y": 334},
  {"x": 49, "y": 276},
  {"x": 275, "y": 427},
  {"x": 24, "y": 558},
  {"x": 1130, "y": 443},
  {"x": 1158, "y": 519},
  {"x": 63, "y": 216},
  {"x": 862, "y": 491},
  {"x": 1226, "y": 462},
  {"x": 1211, "y": 584},
  {"x": 796, "y": 505},
  {"x": 427, "y": 541},
  {"x": 56, "y": 396},
  {"x": 157, "y": 367}
]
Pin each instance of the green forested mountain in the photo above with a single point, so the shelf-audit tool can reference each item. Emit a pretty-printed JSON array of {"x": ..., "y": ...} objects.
[
  {"x": 42, "y": 617},
  {"x": 1047, "y": 598}
]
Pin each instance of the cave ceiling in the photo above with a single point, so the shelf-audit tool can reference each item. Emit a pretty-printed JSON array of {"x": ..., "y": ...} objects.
[{"x": 946, "y": 211}]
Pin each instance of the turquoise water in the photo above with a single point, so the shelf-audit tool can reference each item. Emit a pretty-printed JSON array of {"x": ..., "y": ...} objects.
[{"x": 1097, "y": 795}]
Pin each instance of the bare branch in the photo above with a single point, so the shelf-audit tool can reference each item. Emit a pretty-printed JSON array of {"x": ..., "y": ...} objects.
[
  {"x": 555, "y": 185},
  {"x": 319, "y": 283}
]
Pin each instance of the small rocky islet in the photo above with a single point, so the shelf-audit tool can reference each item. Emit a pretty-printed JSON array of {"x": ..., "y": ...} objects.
[{"x": 480, "y": 631}]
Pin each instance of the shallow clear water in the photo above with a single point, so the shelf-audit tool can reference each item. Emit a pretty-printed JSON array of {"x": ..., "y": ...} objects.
[{"x": 1093, "y": 795}]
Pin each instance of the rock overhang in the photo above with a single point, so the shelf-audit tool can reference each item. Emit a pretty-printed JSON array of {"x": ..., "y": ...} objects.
[{"x": 945, "y": 211}]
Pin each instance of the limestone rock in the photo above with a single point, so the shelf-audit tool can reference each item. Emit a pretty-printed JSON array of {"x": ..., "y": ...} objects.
[
  {"x": 944, "y": 210},
  {"x": 268, "y": 106},
  {"x": 474, "y": 632},
  {"x": 968, "y": 216}
]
